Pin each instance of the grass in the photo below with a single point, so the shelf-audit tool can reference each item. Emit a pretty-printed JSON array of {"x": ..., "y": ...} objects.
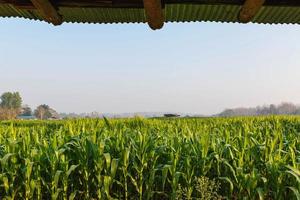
[{"x": 212, "y": 158}]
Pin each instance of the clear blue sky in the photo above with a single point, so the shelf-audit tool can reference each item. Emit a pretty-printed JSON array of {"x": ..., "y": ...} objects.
[{"x": 185, "y": 67}]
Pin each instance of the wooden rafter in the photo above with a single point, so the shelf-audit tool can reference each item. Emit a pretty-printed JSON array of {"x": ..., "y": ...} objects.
[
  {"x": 48, "y": 11},
  {"x": 154, "y": 13},
  {"x": 27, "y": 4},
  {"x": 249, "y": 10}
]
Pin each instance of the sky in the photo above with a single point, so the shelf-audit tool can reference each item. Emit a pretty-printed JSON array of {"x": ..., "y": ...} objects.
[{"x": 199, "y": 68}]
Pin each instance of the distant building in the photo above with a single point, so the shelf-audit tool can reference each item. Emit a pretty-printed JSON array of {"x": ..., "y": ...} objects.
[
  {"x": 171, "y": 115},
  {"x": 30, "y": 117}
]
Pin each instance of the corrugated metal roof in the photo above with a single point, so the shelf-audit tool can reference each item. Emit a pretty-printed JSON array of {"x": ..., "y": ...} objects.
[
  {"x": 103, "y": 15},
  {"x": 7, "y": 10},
  {"x": 173, "y": 13}
]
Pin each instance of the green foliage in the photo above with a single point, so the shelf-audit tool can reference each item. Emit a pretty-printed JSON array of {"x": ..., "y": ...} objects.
[
  {"x": 45, "y": 112},
  {"x": 10, "y": 105},
  {"x": 11, "y": 100},
  {"x": 236, "y": 158},
  {"x": 26, "y": 111},
  {"x": 205, "y": 189}
]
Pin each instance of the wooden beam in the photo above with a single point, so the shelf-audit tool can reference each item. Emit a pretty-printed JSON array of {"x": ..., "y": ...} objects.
[
  {"x": 27, "y": 4},
  {"x": 154, "y": 13},
  {"x": 249, "y": 10},
  {"x": 48, "y": 12}
]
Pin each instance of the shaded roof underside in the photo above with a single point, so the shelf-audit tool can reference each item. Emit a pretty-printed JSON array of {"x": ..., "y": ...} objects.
[{"x": 273, "y": 12}]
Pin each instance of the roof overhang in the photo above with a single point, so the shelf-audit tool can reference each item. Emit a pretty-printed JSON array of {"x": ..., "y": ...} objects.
[{"x": 155, "y": 12}]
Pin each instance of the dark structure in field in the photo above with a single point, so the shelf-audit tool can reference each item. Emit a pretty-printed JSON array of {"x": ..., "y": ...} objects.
[
  {"x": 155, "y": 12},
  {"x": 171, "y": 115}
]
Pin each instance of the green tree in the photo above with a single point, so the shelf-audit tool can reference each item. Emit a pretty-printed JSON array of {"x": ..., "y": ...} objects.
[
  {"x": 42, "y": 112},
  {"x": 11, "y": 100},
  {"x": 26, "y": 111},
  {"x": 10, "y": 105}
]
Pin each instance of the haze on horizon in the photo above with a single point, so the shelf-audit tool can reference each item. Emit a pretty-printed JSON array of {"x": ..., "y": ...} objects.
[{"x": 192, "y": 67}]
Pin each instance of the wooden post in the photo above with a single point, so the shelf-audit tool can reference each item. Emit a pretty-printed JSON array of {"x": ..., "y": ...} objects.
[
  {"x": 249, "y": 10},
  {"x": 48, "y": 12},
  {"x": 154, "y": 13}
]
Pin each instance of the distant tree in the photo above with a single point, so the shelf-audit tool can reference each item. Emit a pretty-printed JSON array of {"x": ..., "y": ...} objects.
[
  {"x": 283, "y": 109},
  {"x": 273, "y": 109},
  {"x": 69, "y": 115},
  {"x": 10, "y": 105},
  {"x": 54, "y": 114},
  {"x": 45, "y": 112},
  {"x": 265, "y": 110},
  {"x": 11, "y": 100},
  {"x": 26, "y": 111},
  {"x": 287, "y": 108},
  {"x": 227, "y": 112},
  {"x": 42, "y": 112},
  {"x": 297, "y": 111},
  {"x": 7, "y": 114}
]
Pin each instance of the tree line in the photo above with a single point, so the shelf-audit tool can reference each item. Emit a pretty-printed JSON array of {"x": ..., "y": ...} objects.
[
  {"x": 11, "y": 107},
  {"x": 281, "y": 109}
]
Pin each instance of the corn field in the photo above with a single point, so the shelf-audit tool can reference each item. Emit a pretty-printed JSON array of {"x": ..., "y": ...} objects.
[{"x": 209, "y": 158}]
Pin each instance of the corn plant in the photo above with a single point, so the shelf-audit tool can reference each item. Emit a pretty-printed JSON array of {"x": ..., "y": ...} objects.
[{"x": 187, "y": 158}]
